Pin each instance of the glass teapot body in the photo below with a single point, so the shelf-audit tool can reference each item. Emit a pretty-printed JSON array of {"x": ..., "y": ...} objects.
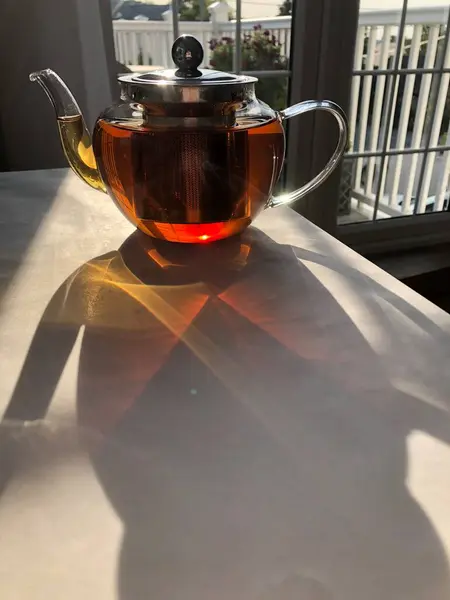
[
  {"x": 187, "y": 155},
  {"x": 194, "y": 178}
]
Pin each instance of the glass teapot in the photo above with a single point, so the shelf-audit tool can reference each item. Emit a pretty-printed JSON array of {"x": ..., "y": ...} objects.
[{"x": 187, "y": 155}]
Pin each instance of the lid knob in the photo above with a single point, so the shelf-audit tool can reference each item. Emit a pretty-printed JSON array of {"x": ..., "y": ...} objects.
[{"x": 187, "y": 54}]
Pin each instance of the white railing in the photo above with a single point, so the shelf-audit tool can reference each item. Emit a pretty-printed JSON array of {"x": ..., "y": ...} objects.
[
  {"x": 143, "y": 40},
  {"x": 407, "y": 178},
  {"x": 150, "y": 42},
  {"x": 395, "y": 179}
]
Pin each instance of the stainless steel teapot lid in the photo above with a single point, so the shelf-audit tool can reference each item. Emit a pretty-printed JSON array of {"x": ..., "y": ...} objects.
[{"x": 187, "y": 83}]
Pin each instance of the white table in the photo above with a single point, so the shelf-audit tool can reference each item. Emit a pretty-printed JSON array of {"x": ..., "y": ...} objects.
[{"x": 269, "y": 422}]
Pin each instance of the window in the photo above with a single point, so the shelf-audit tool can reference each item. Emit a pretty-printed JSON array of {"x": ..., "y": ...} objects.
[{"x": 398, "y": 164}]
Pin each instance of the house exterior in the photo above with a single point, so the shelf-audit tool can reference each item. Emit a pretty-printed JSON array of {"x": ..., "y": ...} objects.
[{"x": 130, "y": 10}]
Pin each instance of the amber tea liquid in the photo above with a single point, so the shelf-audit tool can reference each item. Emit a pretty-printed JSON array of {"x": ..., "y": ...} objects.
[
  {"x": 76, "y": 142},
  {"x": 186, "y": 185}
]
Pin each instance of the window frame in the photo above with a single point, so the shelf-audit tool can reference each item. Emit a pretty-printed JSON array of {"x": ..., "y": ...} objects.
[
  {"x": 322, "y": 67},
  {"x": 406, "y": 232}
]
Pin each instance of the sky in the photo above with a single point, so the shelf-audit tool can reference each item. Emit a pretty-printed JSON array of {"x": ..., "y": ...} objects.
[{"x": 269, "y": 8}]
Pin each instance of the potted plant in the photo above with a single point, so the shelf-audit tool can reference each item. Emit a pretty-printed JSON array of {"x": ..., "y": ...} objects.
[{"x": 261, "y": 51}]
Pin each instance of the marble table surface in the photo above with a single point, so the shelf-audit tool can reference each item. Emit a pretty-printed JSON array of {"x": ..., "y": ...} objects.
[{"x": 262, "y": 419}]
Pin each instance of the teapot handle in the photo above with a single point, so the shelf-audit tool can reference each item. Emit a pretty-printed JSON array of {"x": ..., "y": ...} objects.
[{"x": 339, "y": 115}]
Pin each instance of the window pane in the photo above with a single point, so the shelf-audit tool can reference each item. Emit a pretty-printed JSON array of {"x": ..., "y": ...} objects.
[{"x": 400, "y": 113}]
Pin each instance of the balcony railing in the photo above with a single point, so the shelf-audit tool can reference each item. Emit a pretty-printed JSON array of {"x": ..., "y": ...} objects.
[
  {"x": 150, "y": 42},
  {"x": 399, "y": 158},
  {"x": 399, "y": 113}
]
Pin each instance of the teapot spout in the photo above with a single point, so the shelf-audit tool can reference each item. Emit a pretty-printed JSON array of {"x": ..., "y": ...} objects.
[{"x": 75, "y": 137}]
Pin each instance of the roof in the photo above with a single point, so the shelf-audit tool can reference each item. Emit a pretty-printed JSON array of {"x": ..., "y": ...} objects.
[{"x": 129, "y": 9}]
